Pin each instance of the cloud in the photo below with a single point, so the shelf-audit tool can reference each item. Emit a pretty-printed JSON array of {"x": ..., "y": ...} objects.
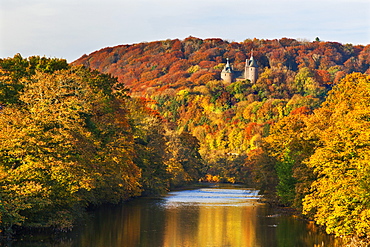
[{"x": 69, "y": 28}]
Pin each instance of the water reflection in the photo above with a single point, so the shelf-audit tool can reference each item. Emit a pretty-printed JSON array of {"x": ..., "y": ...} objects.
[{"x": 211, "y": 217}]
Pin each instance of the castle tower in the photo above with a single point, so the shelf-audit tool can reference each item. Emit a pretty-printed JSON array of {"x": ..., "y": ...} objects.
[
  {"x": 251, "y": 72},
  {"x": 227, "y": 73}
]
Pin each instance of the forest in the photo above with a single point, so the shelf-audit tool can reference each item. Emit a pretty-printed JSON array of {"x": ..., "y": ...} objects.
[
  {"x": 71, "y": 138},
  {"x": 144, "y": 118}
]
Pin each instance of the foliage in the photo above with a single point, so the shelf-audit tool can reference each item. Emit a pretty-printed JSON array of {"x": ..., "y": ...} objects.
[
  {"x": 322, "y": 159},
  {"x": 182, "y": 77},
  {"x": 339, "y": 197},
  {"x": 179, "y": 64},
  {"x": 71, "y": 137},
  {"x": 274, "y": 134},
  {"x": 148, "y": 134},
  {"x": 63, "y": 145},
  {"x": 291, "y": 141},
  {"x": 13, "y": 70}
]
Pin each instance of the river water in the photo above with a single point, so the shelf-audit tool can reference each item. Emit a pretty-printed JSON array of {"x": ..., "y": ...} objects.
[{"x": 205, "y": 217}]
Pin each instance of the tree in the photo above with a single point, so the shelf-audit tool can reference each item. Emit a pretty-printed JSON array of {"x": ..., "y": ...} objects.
[
  {"x": 150, "y": 143},
  {"x": 12, "y": 70},
  {"x": 339, "y": 198},
  {"x": 183, "y": 160},
  {"x": 259, "y": 171},
  {"x": 66, "y": 144},
  {"x": 290, "y": 142}
]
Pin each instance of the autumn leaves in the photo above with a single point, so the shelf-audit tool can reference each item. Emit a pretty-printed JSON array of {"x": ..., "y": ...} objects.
[
  {"x": 326, "y": 159},
  {"x": 69, "y": 138}
]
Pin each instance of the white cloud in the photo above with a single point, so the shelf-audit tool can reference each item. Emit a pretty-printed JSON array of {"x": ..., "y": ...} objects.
[{"x": 70, "y": 28}]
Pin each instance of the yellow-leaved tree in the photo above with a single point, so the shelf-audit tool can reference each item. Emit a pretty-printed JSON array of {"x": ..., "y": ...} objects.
[
  {"x": 340, "y": 197},
  {"x": 64, "y": 143}
]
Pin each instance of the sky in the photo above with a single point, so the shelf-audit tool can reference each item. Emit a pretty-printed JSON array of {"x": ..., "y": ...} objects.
[{"x": 71, "y": 28}]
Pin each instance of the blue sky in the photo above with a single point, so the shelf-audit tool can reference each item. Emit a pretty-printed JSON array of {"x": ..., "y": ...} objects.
[{"x": 70, "y": 28}]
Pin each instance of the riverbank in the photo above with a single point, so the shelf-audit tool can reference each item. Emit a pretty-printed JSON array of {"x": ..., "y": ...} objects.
[{"x": 205, "y": 214}]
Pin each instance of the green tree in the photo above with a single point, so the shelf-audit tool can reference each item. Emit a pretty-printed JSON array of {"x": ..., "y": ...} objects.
[
  {"x": 12, "y": 70},
  {"x": 291, "y": 142}
]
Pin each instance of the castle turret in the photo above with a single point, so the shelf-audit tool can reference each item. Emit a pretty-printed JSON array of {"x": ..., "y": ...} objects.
[
  {"x": 227, "y": 73},
  {"x": 251, "y": 72}
]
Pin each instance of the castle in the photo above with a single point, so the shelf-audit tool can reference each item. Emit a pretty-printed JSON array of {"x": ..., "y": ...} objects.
[{"x": 228, "y": 75}]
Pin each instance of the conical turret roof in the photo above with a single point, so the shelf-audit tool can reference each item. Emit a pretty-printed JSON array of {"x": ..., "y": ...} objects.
[
  {"x": 227, "y": 68},
  {"x": 252, "y": 62}
]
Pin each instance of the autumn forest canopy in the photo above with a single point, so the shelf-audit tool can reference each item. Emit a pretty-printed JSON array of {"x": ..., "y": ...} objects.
[{"x": 144, "y": 118}]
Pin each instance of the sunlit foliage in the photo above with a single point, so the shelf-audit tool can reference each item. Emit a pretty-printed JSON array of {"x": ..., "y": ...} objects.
[
  {"x": 71, "y": 137},
  {"x": 339, "y": 197}
]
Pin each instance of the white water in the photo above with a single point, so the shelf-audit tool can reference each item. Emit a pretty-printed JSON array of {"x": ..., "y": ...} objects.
[{"x": 213, "y": 197}]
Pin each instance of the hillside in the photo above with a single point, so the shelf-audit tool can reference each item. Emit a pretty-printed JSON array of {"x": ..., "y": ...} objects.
[
  {"x": 182, "y": 80},
  {"x": 298, "y": 130},
  {"x": 154, "y": 68},
  {"x": 71, "y": 136}
]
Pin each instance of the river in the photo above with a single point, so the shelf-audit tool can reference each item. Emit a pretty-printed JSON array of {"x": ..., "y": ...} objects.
[{"x": 204, "y": 217}]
